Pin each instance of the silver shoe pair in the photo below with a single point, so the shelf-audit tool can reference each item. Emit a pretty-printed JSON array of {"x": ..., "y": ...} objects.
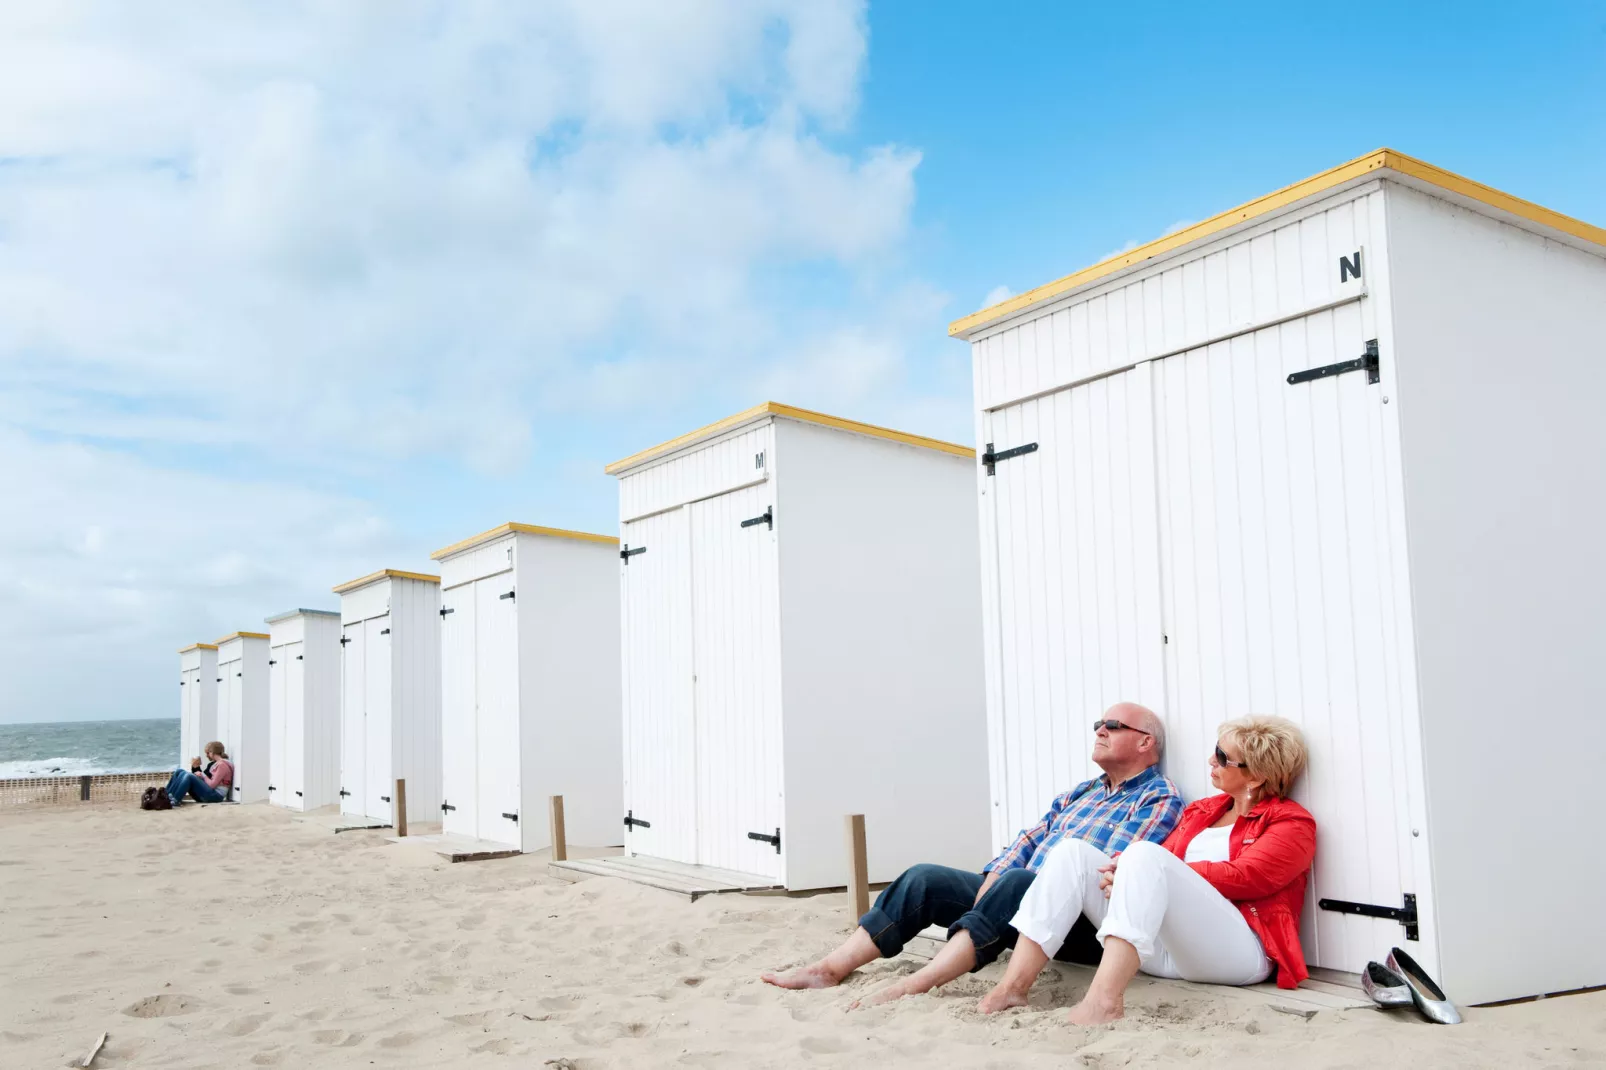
[{"x": 1402, "y": 983}]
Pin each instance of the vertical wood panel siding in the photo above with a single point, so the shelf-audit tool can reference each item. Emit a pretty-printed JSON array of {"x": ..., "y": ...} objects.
[
  {"x": 415, "y": 697},
  {"x": 459, "y": 725},
  {"x": 354, "y": 718},
  {"x": 709, "y": 469},
  {"x": 499, "y": 713},
  {"x": 1283, "y": 270}
]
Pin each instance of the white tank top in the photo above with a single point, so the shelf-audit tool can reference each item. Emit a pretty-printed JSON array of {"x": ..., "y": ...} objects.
[{"x": 1211, "y": 845}]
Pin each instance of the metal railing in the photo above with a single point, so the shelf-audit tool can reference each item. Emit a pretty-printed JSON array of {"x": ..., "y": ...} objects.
[{"x": 43, "y": 791}]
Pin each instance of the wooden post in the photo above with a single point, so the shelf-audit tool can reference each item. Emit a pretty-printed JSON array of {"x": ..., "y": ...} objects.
[
  {"x": 83, "y": 789},
  {"x": 858, "y": 867},
  {"x": 560, "y": 838},
  {"x": 399, "y": 807}
]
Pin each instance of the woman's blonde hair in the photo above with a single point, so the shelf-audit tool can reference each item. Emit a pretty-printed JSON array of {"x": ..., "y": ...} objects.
[
  {"x": 215, "y": 747},
  {"x": 1273, "y": 750}
]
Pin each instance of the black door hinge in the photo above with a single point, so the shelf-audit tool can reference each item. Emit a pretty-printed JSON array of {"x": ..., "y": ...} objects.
[
  {"x": 299, "y": 657},
  {"x": 272, "y": 662},
  {"x": 990, "y": 458},
  {"x": 344, "y": 639},
  {"x": 511, "y": 817},
  {"x": 632, "y": 819},
  {"x": 384, "y": 631},
  {"x": 627, "y": 553},
  {"x": 765, "y": 838},
  {"x": 384, "y": 798},
  {"x": 505, "y": 597},
  {"x": 445, "y": 610},
  {"x": 272, "y": 788},
  {"x": 344, "y": 793},
  {"x": 220, "y": 679},
  {"x": 298, "y": 793},
  {"x": 445, "y": 806},
  {"x": 1405, "y": 915},
  {"x": 1369, "y": 361},
  {"x": 767, "y": 518},
  {"x": 236, "y": 674}
]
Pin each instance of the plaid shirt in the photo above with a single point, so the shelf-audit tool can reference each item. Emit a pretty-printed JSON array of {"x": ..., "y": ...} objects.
[{"x": 1146, "y": 807}]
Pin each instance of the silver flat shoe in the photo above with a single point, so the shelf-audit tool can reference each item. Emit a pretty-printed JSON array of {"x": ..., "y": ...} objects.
[
  {"x": 1429, "y": 998},
  {"x": 1385, "y": 987}
]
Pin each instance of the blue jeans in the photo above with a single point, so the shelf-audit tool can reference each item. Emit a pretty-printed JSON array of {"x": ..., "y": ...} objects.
[
  {"x": 939, "y": 895},
  {"x": 183, "y": 782}
]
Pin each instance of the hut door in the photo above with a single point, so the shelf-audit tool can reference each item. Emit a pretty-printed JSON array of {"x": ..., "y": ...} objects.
[
  {"x": 231, "y": 728},
  {"x": 459, "y": 731},
  {"x": 736, "y": 681},
  {"x": 378, "y": 779},
  {"x": 277, "y": 758},
  {"x": 189, "y": 743},
  {"x": 1283, "y": 593},
  {"x": 496, "y": 674},
  {"x": 1069, "y": 520},
  {"x": 295, "y": 727},
  {"x": 659, "y": 781},
  {"x": 353, "y": 720}
]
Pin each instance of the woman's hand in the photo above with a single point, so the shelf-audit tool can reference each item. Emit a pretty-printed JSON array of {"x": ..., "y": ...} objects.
[{"x": 1107, "y": 875}]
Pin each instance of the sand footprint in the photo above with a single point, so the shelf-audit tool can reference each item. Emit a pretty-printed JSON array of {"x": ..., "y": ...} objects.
[
  {"x": 163, "y": 1006},
  {"x": 398, "y": 1040},
  {"x": 247, "y": 1025},
  {"x": 336, "y": 1038}
]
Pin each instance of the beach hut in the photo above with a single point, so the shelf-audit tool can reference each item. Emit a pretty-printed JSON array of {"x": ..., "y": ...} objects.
[
  {"x": 1335, "y": 455},
  {"x": 197, "y": 700},
  {"x": 304, "y": 708},
  {"x": 802, "y": 641},
  {"x": 529, "y": 686},
  {"x": 242, "y": 711},
  {"x": 390, "y": 694}
]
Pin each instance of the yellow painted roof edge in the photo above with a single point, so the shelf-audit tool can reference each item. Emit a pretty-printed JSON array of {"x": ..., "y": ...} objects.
[
  {"x": 775, "y": 408},
  {"x": 197, "y": 646},
  {"x": 523, "y": 529},
  {"x": 1388, "y": 159},
  {"x": 396, "y": 573},
  {"x": 242, "y": 635}
]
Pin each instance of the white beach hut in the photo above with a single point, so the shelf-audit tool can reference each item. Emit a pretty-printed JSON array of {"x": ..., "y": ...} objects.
[
  {"x": 197, "y": 700},
  {"x": 242, "y": 711},
  {"x": 304, "y": 709},
  {"x": 1336, "y": 455},
  {"x": 529, "y": 686},
  {"x": 802, "y": 640},
  {"x": 390, "y": 694}
]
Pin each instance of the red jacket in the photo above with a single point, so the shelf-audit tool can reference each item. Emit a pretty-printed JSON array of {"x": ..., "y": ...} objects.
[{"x": 1269, "y": 856}]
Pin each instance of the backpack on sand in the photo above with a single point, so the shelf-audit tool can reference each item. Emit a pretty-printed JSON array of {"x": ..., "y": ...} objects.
[{"x": 155, "y": 799}]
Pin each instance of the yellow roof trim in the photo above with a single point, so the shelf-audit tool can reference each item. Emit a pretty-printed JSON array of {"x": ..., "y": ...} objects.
[
  {"x": 773, "y": 408},
  {"x": 241, "y": 635},
  {"x": 197, "y": 646},
  {"x": 522, "y": 529},
  {"x": 394, "y": 573},
  {"x": 1382, "y": 159}
]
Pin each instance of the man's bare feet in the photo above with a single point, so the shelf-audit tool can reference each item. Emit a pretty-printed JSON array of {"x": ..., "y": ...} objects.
[
  {"x": 1001, "y": 999},
  {"x": 814, "y": 976},
  {"x": 1095, "y": 1011}
]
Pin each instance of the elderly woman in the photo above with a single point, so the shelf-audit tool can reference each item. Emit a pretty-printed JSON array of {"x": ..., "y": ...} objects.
[{"x": 1218, "y": 902}]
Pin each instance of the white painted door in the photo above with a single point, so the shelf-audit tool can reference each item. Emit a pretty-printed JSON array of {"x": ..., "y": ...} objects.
[
  {"x": 1281, "y": 585},
  {"x": 378, "y": 777},
  {"x": 278, "y": 708},
  {"x": 231, "y": 698},
  {"x": 1074, "y": 618},
  {"x": 226, "y": 714},
  {"x": 660, "y": 777},
  {"x": 736, "y": 682},
  {"x": 353, "y": 719},
  {"x": 496, "y": 671},
  {"x": 189, "y": 733},
  {"x": 459, "y": 730},
  {"x": 295, "y": 727}
]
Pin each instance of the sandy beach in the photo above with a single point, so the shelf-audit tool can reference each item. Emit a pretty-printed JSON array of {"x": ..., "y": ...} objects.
[{"x": 239, "y": 936}]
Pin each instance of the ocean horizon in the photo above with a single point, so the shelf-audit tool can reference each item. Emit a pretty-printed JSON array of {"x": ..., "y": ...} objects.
[{"x": 88, "y": 748}]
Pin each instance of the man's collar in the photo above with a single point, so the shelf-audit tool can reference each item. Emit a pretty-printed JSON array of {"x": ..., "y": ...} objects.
[{"x": 1147, "y": 773}]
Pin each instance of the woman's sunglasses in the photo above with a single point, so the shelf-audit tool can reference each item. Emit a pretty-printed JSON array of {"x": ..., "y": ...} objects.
[
  {"x": 1223, "y": 760},
  {"x": 1116, "y": 726}
]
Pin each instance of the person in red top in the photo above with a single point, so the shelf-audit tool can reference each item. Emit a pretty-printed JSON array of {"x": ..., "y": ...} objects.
[{"x": 1219, "y": 901}]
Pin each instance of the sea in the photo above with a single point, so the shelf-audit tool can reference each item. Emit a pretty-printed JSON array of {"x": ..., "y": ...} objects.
[{"x": 77, "y": 748}]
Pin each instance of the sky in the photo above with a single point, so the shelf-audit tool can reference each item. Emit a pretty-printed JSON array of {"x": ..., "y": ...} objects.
[{"x": 292, "y": 292}]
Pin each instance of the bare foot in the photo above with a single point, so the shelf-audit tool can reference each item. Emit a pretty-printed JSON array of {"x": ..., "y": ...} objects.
[
  {"x": 1093, "y": 1011},
  {"x": 815, "y": 976},
  {"x": 1001, "y": 999},
  {"x": 883, "y": 995}
]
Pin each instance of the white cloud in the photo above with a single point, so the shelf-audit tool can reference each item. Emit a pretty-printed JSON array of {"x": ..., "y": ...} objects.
[
  {"x": 997, "y": 295},
  {"x": 313, "y": 241}
]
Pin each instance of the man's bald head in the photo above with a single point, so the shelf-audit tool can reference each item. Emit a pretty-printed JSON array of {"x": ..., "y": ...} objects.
[
  {"x": 1128, "y": 750},
  {"x": 1143, "y": 719}
]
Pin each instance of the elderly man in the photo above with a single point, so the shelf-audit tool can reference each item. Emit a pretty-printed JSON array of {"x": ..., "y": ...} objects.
[{"x": 1131, "y": 801}]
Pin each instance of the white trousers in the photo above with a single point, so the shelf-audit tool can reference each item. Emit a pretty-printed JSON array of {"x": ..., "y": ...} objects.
[{"x": 1180, "y": 926}]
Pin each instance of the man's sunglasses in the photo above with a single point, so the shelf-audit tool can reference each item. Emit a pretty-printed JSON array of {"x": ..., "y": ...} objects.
[
  {"x": 1223, "y": 760},
  {"x": 1116, "y": 726}
]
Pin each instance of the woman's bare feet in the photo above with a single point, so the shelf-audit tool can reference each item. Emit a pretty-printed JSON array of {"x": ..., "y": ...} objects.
[
  {"x": 1096, "y": 1011},
  {"x": 1001, "y": 998},
  {"x": 817, "y": 975}
]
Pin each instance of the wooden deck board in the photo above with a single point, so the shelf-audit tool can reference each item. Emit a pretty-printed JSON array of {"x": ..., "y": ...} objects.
[
  {"x": 459, "y": 848},
  {"x": 694, "y": 882}
]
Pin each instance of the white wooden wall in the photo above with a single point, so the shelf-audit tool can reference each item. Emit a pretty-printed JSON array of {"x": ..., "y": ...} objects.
[
  {"x": 737, "y": 459},
  {"x": 304, "y": 710},
  {"x": 414, "y": 683},
  {"x": 243, "y": 713},
  {"x": 197, "y": 703}
]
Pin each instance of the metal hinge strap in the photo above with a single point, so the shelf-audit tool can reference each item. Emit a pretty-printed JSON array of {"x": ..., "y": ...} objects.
[
  {"x": 1369, "y": 362},
  {"x": 767, "y": 518},
  {"x": 991, "y": 458},
  {"x": 632, "y": 820},
  {"x": 1405, "y": 915},
  {"x": 764, "y": 837},
  {"x": 627, "y": 553}
]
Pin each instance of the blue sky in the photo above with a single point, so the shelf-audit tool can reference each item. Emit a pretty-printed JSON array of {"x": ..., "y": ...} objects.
[{"x": 290, "y": 295}]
